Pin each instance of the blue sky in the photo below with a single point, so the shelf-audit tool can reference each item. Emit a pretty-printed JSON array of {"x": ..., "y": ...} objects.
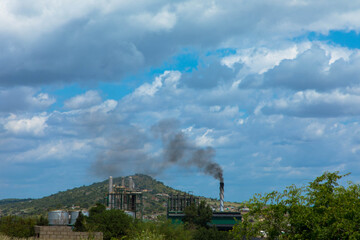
[{"x": 270, "y": 91}]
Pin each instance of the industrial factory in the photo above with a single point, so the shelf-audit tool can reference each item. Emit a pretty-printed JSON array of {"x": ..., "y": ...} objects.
[
  {"x": 220, "y": 219},
  {"x": 125, "y": 198},
  {"x": 128, "y": 198}
]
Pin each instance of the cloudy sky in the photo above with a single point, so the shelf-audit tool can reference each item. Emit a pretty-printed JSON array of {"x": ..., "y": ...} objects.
[{"x": 269, "y": 90}]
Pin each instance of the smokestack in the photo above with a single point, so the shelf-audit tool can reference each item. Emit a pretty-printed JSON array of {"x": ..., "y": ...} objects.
[
  {"x": 123, "y": 182},
  {"x": 131, "y": 183},
  {"x": 110, "y": 191},
  {"x": 221, "y": 196}
]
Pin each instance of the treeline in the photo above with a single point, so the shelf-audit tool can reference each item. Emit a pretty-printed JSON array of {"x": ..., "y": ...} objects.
[
  {"x": 13, "y": 200},
  {"x": 115, "y": 224},
  {"x": 322, "y": 209}
]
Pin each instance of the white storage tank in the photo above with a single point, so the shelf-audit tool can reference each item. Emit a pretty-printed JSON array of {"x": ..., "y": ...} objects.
[
  {"x": 73, "y": 216},
  {"x": 58, "y": 217}
]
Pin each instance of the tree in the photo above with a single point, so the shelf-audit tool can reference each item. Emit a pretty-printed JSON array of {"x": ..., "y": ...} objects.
[
  {"x": 98, "y": 208},
  {"x": 42, "y": 221},
  {"x": 113, "y": 223},
  {"x": 80, "y": 223},
  {"x": 198, "y": 216},
  {"x": 321, "y": 210}
]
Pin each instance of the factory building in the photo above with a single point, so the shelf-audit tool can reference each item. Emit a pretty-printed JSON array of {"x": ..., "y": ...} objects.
[
  {"x": 125, "y": 198},
  {"x": 220, "y": 219}
]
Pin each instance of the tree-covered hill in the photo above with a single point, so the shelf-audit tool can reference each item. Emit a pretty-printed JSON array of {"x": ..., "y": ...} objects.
[{"x": 86, "y": 196}]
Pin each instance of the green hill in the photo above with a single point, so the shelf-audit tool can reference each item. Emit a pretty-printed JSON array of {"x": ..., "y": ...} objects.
[{"x": 86, "y": 196}]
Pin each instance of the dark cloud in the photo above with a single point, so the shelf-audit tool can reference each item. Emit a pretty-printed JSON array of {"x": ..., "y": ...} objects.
[
  {"x": 19, "y": 99},
  {"x": 210, "y": 75},
  {"x": 309, "y": 70},
  {"x": 92, "y": 43},
  {"x": 77, "y": 51}
]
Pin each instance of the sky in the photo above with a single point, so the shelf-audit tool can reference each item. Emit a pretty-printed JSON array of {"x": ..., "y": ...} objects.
[{"x": 268, "y": 90}]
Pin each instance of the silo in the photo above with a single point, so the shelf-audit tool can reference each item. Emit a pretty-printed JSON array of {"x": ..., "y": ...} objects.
[
  {"x": 58, "y": 217},
  {"x": 73, "y": 216}
]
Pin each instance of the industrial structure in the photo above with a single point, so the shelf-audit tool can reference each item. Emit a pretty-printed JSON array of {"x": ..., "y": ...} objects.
[
  {"x": 177, "y": 203},
  {"x": 221, "y": 196},
  {"x": 221, "y": 220},
  {"x": 125, "y": 198}
]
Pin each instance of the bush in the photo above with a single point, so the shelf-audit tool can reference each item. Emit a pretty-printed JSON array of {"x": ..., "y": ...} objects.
[
  {"x": 164, "y": 228},
  {"x": 211, "y": 234},
  {"x": 198, "y": 216},
  {"x": 113, "y": 223},
  {"x": 14, "y": 226}
]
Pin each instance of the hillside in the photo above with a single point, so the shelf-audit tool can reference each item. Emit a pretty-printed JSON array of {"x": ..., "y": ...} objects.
[
  {"x": 154, "y": 195},
  {"x": 86, "y": 196}
]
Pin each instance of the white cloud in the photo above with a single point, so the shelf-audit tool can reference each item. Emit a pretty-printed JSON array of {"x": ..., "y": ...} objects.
[
  {"x": 104, "y": 107},
  {"x": 169, "y": 78},
  {"x": 162, "y": 20},
  {"x": 33, "y": 126},
  {"x": 205, "y": 140},
  {"x": 321, "y": 67},
  {"x": 260, "y": 60},
  {"x": 85, "y": 100},
  {"x": 314, "y": 104},
  {"x": 61, "y": 150},
  {"x": 215, "y": 108}
]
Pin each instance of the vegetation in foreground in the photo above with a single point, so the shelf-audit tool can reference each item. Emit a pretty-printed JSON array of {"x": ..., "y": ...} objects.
[
  {"x": 115, "y": 224},
  {"x": 323, "y": 209}
]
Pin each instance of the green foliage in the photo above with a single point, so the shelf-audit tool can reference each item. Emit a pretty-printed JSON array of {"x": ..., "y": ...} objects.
[
  {"x": 321, "y": 210},
  {"x": 163, "y": 228},
  {"x": 19, "y": 227},
  {"x": 42, "y": 221},
  {"x": 198, "y": 216},
  {"x": 148, "y": 235},
  {"x": 113, "y": 223},
  {"x": 97, "y": 209},
  {"x": 211, "y": 234},
  {"x": 80, "y": 223}
]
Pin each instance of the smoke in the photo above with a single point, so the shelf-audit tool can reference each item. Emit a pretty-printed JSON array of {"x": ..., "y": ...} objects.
[
  {"x": 127, "y": 150},
  {"x": 178, "y": 150}
]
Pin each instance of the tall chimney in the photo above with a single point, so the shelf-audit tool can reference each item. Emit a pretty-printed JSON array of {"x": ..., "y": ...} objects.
[
  {"x": 123, "y": 182},
  {"x": 110, "y": 192},
  {"x": 221, "y": 196},
  {"x": 131, "y": 183}
]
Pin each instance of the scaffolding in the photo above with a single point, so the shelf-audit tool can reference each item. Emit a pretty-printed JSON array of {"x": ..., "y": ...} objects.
[
  {"x": 126, "y": 199},
  {"x": 177, "y": 203}
]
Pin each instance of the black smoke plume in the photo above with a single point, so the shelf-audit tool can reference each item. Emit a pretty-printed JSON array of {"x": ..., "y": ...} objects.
[
  {"x": 178, "y": 150},
  {"x": 125, "y": 150}
]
